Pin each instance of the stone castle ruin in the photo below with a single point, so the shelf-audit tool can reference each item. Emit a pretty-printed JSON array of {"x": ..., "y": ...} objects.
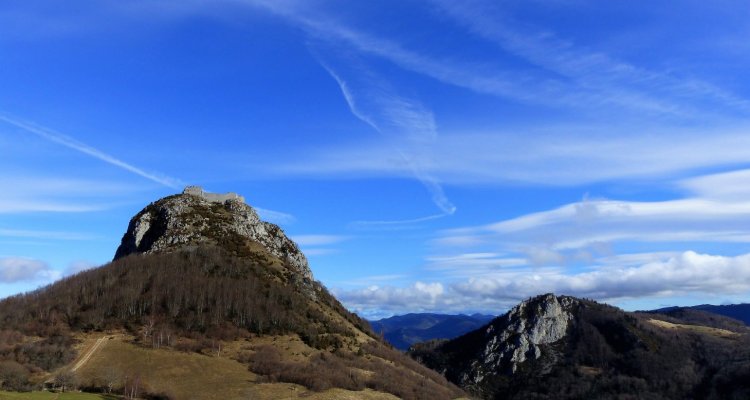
[{"x": 212, "y": 197}]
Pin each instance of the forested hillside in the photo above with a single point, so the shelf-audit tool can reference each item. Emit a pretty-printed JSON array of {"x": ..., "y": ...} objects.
[{"x": 193, "y": 300}]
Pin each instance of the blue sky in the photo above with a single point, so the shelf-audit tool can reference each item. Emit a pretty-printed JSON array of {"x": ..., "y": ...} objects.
[{"x": 427, "y": 155}]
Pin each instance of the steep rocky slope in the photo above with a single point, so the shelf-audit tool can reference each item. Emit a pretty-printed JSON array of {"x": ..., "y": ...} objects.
[
  {"x": 522, "y": 333},
  {"x": 558, "y": 347},
  {"x": 198, "y": 218}
]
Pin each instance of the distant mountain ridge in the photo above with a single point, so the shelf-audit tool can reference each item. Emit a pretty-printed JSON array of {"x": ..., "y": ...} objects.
[
  {"x": 402, "y": 331},
  {"x": 740, "y": 312}
]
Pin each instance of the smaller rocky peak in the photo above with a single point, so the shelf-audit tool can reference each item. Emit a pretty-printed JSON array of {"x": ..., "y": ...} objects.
[
  {"x": 542, "y": 319},
  {"x": 196, "y": 217},
  {"x": 523, "y": 333}
]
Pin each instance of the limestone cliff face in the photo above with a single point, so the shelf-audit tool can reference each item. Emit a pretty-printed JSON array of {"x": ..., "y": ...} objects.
[
  {"x": 527, "y": 338},
  {"x": 195, "y": 217},
  {"x": 521, "y": 334}
]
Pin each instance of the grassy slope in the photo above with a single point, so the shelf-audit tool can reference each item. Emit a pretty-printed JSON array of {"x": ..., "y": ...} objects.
[
  {"x": 199, "y": 376},
  {"x": 707, "y": 330},
  {"x": 185, "y": 375}
]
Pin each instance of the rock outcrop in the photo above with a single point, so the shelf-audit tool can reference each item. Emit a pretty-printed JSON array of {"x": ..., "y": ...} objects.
[
  {"x": 196, "y": 217},
  {"x": 522, "y": 334},
  {"x": 522, "y": 339}
]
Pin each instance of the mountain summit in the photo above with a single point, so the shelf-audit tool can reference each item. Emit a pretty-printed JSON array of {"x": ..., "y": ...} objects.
[
  {"x": 196, "y": 217},
  {"x": 527, "y": 332},
  {"x": 523, "y": 332}
]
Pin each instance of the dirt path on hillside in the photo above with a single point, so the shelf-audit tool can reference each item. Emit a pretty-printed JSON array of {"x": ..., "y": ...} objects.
[{"x": 90, "y": 352}]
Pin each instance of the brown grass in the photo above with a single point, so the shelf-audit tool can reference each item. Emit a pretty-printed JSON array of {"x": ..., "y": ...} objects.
[
  {"x": 589, "y": 371},
  {"x": 292, "y": 391},
  {"x": 695, "y": 328},
  {"x": 181, "y": 375},
  {"x": 374, "y": 367},
  {"x": 184, "y": 375}
]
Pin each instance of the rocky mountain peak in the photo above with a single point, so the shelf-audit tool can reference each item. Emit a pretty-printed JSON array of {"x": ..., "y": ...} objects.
[
  {"x": 196, "y": 217},
  {"x": 521, "y": 334}
]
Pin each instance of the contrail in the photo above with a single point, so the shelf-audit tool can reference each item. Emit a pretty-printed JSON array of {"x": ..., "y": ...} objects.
[
  {"x": 74, "y": 144},
  {"x": 418, "y": 132},
  {"x": 365, "y": 224}
]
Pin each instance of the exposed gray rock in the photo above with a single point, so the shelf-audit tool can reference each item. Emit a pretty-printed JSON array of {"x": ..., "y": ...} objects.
[
  {"x": 212, "y": 197},
  {"x": 519, "y": 335},
  {"x": 195, "y": 217}
]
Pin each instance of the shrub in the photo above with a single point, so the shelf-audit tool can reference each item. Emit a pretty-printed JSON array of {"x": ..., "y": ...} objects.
[
  {"x": 390, "y": 371},
  {"x": 266, "y": 360},
  {"x": 13, "y": 376},
  {"x": 66, "y": 381}
]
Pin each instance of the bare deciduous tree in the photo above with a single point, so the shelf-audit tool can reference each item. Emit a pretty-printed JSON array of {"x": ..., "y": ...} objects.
[
  {"x": 66, "y": 381},
  {"x": 111, "y": 378}
]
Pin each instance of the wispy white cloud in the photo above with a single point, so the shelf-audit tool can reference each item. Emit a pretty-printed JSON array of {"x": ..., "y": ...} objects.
[
  {"x": 22, "y": 269},
  {"x": 559, "y": 156},
  {"x": 474, "y": 264},
  {"x": 575, "y": 75},
  {"x": 319, "y": 251},
  {"x": 570, "y": 249},
  {"x": 9, "y": 206},
  {"x": 318, "y": 239},
  {"x": 19, "y": 269},
  {"x": 78, "y": 266},
  {"x": 276, "y": 217},
  {"x": 590, "y": 212},
  {"x": 728, "y": 186},
  {"x": 405, "y": 123},
  {"x": 315, "y": 245},
  {"x": 379, "y": 278},
  {"x": 664, "y": 275},
  {"x": 569, "y": 155},
  {"x": 31, "y": 234},
  {"x": 608, "y": 79},
  {"x": 585, "y": 230},
  {"x": 636, "y": 259},
  {"x": 418, "y": 296},
  {"x": 24, "y": 193},
  {"x": 83, "y": 17},
  {"x": 472, "y": 76},
  {"x": 580, "y": 78},
  {"x": 688, "y": 272},
  {"x": 45, "y": 185},
  {"x": 76, "y": 145},
  {"x": 395, "y": 225}
]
